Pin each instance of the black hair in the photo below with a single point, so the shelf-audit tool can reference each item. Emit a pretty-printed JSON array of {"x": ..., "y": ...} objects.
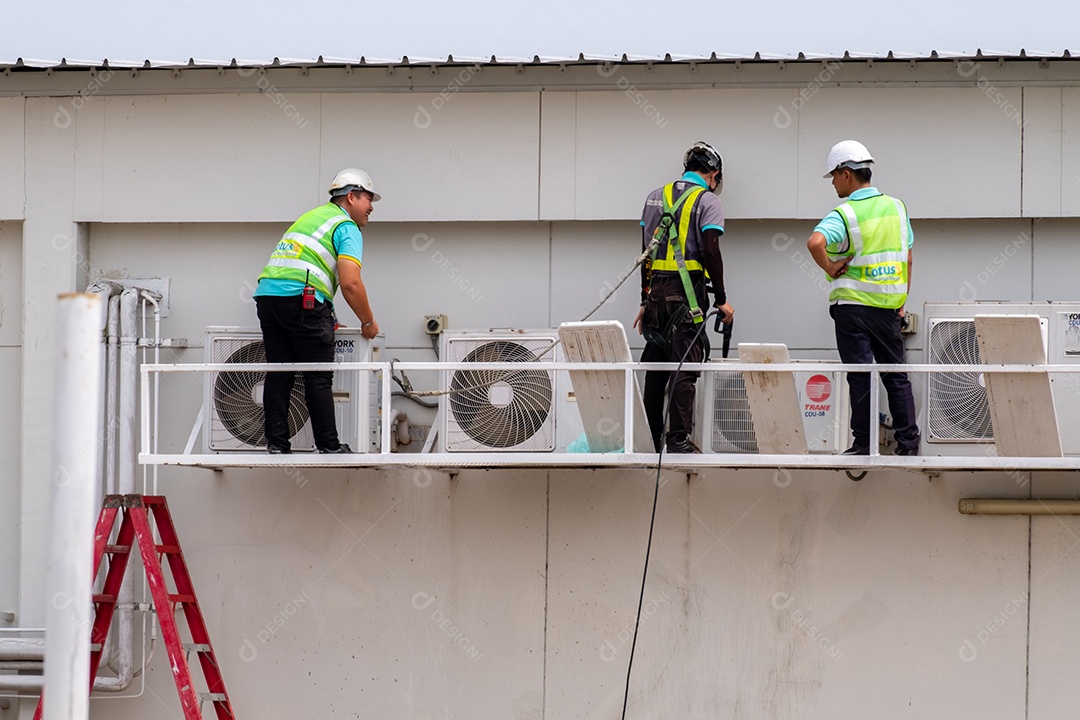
[
  {"x": 863, "y": 175},
  {"x": 698, "y": 164}
]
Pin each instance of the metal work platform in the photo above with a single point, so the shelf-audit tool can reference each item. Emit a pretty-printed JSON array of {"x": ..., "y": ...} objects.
[
  {"x": 599, "y": 392},
  {"x": 449, "y": 462}
]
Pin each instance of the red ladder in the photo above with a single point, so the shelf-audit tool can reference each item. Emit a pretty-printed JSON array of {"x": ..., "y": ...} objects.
[{"x": 135, "y": 525}]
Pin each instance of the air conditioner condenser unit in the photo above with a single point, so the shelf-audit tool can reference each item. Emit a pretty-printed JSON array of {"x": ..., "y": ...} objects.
[
  {"x": 724, "y": 423},
  {"x": 233, "y": 417},
  {"x": 957, "y": 411},
  {"x": 492, "y": 410}
]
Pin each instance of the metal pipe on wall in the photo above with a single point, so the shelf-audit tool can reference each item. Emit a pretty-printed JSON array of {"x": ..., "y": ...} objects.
[
  {"x": 1019, "y": 506},
  {"x": 124, "y": 649},
  {"x": 112, "y": 348},
  {"x": 77, "y": 406}
]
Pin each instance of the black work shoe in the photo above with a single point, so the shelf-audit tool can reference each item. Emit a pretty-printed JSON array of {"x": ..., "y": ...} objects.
[
  {"x": 277, "y": 450},
  {"x": 856, "y": 450},
  {"x": 907, "y": 451},
  {"x": 342, "y": 449},
  {"x": 682, "y": 446}
]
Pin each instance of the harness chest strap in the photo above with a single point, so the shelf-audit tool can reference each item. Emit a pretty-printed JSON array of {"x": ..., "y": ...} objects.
[{"x": 675, "y": 239}]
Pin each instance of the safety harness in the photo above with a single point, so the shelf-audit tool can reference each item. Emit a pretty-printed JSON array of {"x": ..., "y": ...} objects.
[{"x": 667, "y": 233}]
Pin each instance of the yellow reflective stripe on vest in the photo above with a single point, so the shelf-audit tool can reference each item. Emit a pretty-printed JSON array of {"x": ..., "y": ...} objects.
[
  {"x": 902, "y": 212},
  {"x": 669, "y": 263},
  {"x": 318, "y": 277},
  {"x": 316, "y": 247}
]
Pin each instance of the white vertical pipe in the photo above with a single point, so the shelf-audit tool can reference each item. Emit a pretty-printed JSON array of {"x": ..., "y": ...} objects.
[
  {"x": 111, "y": 394},
  {"x": 384, "y": 414},
  {"x": 129, "y": 339},
  {"x": 875, "y": 412},
  {"x": 76, "y": 409},
  {"x": 153, "y": 300}
]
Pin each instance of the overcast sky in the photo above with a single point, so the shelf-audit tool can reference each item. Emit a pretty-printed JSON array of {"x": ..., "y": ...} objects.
[{"x": 130, "y": 30}]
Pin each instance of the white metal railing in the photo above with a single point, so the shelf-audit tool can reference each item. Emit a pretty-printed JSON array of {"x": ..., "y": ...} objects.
[{"x": 150, "y": 411}]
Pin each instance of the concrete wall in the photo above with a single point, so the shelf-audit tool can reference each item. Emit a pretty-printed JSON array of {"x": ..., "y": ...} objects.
[
  {"x": 10, "y": 419},
  {"x": 511, "y": 594}
]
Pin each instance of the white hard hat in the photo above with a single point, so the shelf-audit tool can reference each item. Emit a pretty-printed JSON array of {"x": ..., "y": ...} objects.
[
  {"x": 847, "y": 153},
  {"x": 350, "y": 179},
  {"x": 704, "y": 153}
]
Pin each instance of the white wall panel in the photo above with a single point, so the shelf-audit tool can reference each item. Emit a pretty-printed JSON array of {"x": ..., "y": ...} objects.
[
  {"x": 599, "y": 524},
  {"x": 90, "y": 192},
  {"x": 1055, "y": 565},
  {"x": 222, "y": 158},
  {"x": 799, "y": 617},
  {"x": 11, "y": 284},
  {"x": 12, "y": 147},
  {"x": 10, "y": 479},
  {"x": 630, "y": 142},
  {"x": 1070, "y": 151},
  {"x": 781, "y": 596},
  {"x": 558, "y": 155},
  {"x": 1042, "y": 151},
  {"x": 947, "y": 152},
  {"x": 481, "y": 275},
  {"x": 588, "y": 259},
  {"x": 449, "y": 156},
  {"x": 1057, "y": 247}
]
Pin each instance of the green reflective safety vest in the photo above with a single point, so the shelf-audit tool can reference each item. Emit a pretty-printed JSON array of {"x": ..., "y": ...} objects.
[
  {"x": 305, "y": 252},
  {"x": 678, "y": 232},
  {"x": 877, "y": 242}
]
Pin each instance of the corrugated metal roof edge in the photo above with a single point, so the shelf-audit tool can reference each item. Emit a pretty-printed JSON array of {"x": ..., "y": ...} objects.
[{"x": 63, "y": 63}]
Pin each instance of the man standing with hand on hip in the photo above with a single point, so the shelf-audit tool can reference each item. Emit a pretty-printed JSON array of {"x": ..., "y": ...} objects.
[
  {"x": 864, "y": 246},
  {"x": 295, "y": 297}
]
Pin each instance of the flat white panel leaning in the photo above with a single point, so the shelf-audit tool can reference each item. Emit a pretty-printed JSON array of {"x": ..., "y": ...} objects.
[
  {"x": 774, "y": 403},
  {"x": 601, "y": 394},
  {"x": 1021, "y": 404}
]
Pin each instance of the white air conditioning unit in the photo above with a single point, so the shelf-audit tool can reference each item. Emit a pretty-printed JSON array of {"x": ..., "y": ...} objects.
[
  {"x": 957, "y": 411},
  {"x": 233, "y": 419},
  {"x": 725, "y": 425},
  {"x": 504, "y": 410}
]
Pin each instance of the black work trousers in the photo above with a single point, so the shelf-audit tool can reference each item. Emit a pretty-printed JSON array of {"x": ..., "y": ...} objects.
[
  {"x": 865, "y": 335},
  {"x": 665, "y": 299},
  {"x": 293, "y": 334}
]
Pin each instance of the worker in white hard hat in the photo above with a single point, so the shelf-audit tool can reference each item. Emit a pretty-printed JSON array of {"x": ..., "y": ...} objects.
[
  {"x": 687, "y": 220},
  {"x": 864, "y": 246},
  {"x": 295, "y": 303}
]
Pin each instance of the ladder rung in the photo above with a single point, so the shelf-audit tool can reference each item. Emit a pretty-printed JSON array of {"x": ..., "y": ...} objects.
[
  {"x": 212, "y": 697},
  {"x": 104, "y": 599},
  {"x": 167, "y": 549},
  {"x": 95, "y": 647},
  {"x": 182, "y": 598},
  {"x": 117, "y": 548},
  {"x": 197, "y": 647}
]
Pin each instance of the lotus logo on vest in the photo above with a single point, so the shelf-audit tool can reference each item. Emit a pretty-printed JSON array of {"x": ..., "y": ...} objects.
[{"x": 882, "y": 271}]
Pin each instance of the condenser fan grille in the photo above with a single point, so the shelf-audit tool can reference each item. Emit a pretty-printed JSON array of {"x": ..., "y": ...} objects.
[
  {"x": 502, "y": 409},
  {"x": 957, "y": 408},
  {"x": 237, "y": 401},
  {"x": 731, "y": 421}
]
